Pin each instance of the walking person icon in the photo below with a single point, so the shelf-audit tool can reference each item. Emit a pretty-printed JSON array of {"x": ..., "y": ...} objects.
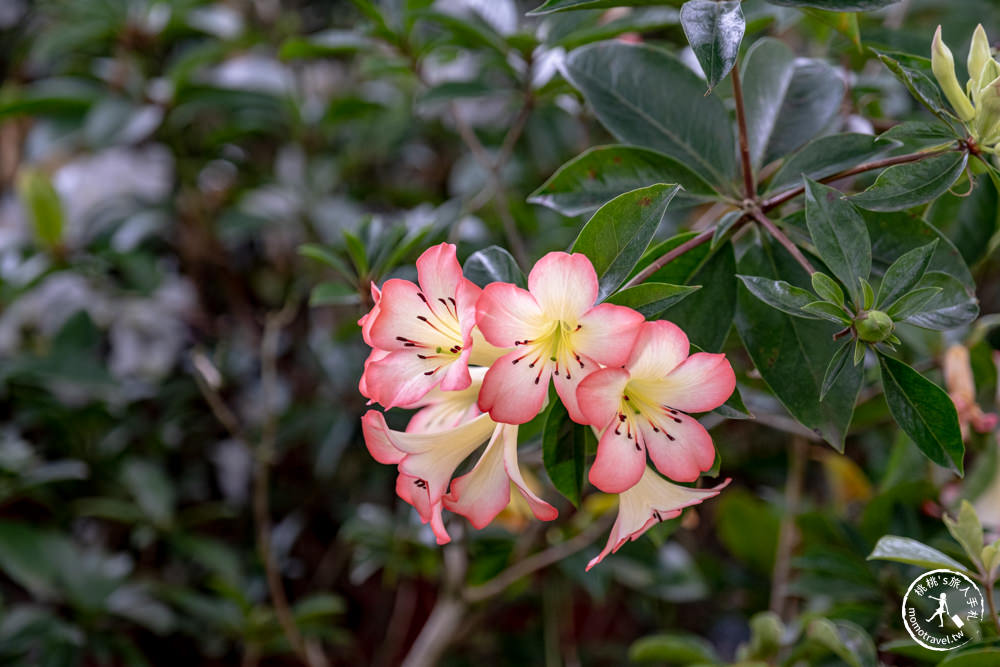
[{"x": 941, "y": 610}]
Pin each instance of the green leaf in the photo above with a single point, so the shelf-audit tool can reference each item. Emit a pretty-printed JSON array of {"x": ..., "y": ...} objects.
[
  {"x": 846, "y": 640},
  {"x": 43, "y": 206},
  {"x": 673, "y": 648},
  {"x": 651, "y": 299},
  {"x": 867, "y": 295},
  {"x": 25, "y": 552},
  {"x": 953, "y": 306},
  {"x": 333, "y": 294},
  {"x": 837, "y": 5},
  {"x": 550, "y": 6},
  {"x": 325, "y": 256},
  {"x": 904, "y": 274},
  {"x": 915, "y": 73},
  {"x": 912, "y": 303},
  {"x": 836, "y": 366},
  {"x": 827, "y": 156},
  {"x": 827, "y": 288},
  {"x": 620, "y": 231},
  {"x": 600, "y": 174},
  {"x": 781, "y": 295},
  {"x": 925, "y": 413},
  {"x": 564, "y": 452},
  {"x": 493, "y": 265},
  {"x": 918, "y": 134},
  {"x": 584, "y": 27},
  {"x": 913, "y": 183},
  {"x": 707, "y": 315},
  {"x": 151, "y": 489},
  {"x": 978, "y": 657},
  {"x": 827, "y": 311},
  {"x": 967, "y": 531},
  {"x": 792, "y": 354},
  {"x": 714, "y": 30},
  {"x": 788, "y": 101},
  {"x": 740, "y": 513},
  {"x": 839, "y": 234},
  {"x": 912, "y": 552},
  {"x": 324, "y": 44},
  {"x": 673, "y": 116}
]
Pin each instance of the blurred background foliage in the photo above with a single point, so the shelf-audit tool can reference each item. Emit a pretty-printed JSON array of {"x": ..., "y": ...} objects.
[{"x": 175, "y": 178}]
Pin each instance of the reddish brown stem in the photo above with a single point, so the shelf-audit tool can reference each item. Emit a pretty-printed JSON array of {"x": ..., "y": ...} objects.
[
  {"x": 749, "y": 190},
  {"x": 788, "y": 195},
  {"x": 670, "y": 255},
  {"x": 780, "y": 237}
]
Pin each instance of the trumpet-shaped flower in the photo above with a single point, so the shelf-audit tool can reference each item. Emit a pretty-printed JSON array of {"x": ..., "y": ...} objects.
[
  {"x": 555, "y": 330},
  {"x": 641, "y": 408},
  {"x": 437, "y": 440},
  {"x": 425, "y": 330},
  {"x": 651, "y": 500},
  {"x": 981, "y": 113}
]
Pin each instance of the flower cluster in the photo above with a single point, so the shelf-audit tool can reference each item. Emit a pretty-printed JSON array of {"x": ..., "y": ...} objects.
[
  {"x": 477, "y": 363},
  {"x": 978, "y": 105}
]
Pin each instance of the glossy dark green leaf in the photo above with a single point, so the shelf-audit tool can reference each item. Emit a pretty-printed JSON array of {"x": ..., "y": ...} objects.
[
  {"x": 904, "y": 274},
  {"x": 837, "y": 5},
  {"x": 955, "y": 305},
  {"x": 651, "y": 299},
  {"x": 620, "y": 231},
  {"x": 827, "y": 311},
  {"x": 550, "y": 6},
  {"x": 839, "y": 234},
  {"x": 913, "y": 552},
  {"x": 723, "y": 226},
  {"x": 893, "y": 234},
  {"x": 918, "y": 134},
  {"x": 925, "y": 413},
  {"x": 779, "y": 294},
  {"x": 792, "y": 354},
  {"x": 827, "y": 288},
  {"x": 788, "y": 100},
  {"x": 969, "y": 220},
  {"x": 706, "y": 315},
  {"x": 827, "y": 156},
  {"x": 914, "y": 72},
  {"x": 493, "y": 265},
  {"x": 840, "y": 360},
  {"x": 849, "y": 642},
  {"x": 673, "y": 116},
  {"x": 714, "y": 30},
  {"x": 564, "y": 452},
  {"x": 600, "y": 174},
  {"x": 913, "y": 183},
  {"x": 912, "y": 303}
]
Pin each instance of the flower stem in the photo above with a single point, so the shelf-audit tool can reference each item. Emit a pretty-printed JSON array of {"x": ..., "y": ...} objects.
[
  {"x": 780, "y": 237},
  {"x": 670, "y": 255},
  {"x": 991, "y": 603},
  {"x": 749, "y": 190}
]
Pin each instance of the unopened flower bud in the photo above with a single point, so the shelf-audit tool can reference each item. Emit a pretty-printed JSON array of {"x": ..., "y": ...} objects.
[
  {"x": 873, "y": 326},
  {"x": 979, "y": 57},
  {"x": 943, "y": 65}
]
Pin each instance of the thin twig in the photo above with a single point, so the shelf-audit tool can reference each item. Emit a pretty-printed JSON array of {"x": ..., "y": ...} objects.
[
  {"x": 989, "y": 583},
  {"x": 781, "y": 198},
  {"x": 780, "y": 237},
  {"x": 265, "y": 453},
  {"x": 670, "y": 255},
  {"x": 787, "y": 534},
  {"x": 749, "y": 190},
  {"x": 494, "y": 171},
  {"x": 540, "y": 560}
]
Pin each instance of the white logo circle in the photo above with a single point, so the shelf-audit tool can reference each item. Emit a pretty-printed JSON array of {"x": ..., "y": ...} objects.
[{"x": 940, "y": 609}]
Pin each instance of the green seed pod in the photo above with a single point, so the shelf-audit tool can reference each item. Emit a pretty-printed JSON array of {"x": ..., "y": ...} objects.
[{"x": 873, "y": 326}]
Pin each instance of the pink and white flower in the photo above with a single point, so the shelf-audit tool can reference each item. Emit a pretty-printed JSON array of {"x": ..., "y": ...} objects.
[
  {"x": 556, "y": 331},
  {"x": 421, "y": 333},
  {"x": 437, "y": 440},
  {"x": 641, "y": 408},
  {"x": 651, "y": 500}
]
